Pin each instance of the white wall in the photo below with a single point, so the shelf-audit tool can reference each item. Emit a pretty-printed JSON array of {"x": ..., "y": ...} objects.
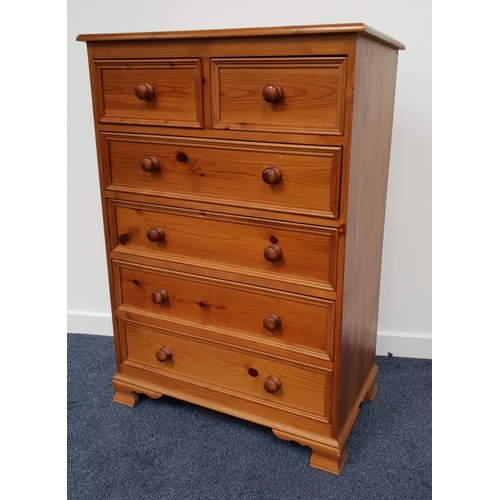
[{"x": 405, "y": 297}]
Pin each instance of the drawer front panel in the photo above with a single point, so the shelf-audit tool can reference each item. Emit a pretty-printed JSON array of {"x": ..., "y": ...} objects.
[
  {"x": 175, "y": 101},
  {"x": 309, "y": 94},
  {"x": 303, "y": 389},
  {"x": 287, "y": 321},
  {"x": 232, "y": 173},
  {"x": 305, "y": 255}
]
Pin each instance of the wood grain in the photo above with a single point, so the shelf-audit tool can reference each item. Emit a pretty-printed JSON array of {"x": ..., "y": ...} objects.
[
  {"x": 224, "y": 242},
  {"x": 177, "y": 92},
  {"x": 234, "y": 310},
  {"x": 298, "y": 31},
  {"x": 243, "y": 178},
  {"x": 220, "y": 368},
  {"x": 368, "y": 176},
  {"x": 313, "y": 90},
  {"x": 226, "y": 172}
]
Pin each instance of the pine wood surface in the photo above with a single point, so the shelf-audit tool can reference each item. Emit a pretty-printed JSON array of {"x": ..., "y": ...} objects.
[
  {"x": 299, "y": 31},
  {"x": 312, "y": 103},
  {"x": 226, "y": 171},
  {"x": 212, "y": 240},
  {"x": 177, "y": 96},
  {"x": 233, "y": 309},
  {"x": 230, "y": 370},
  {"x": 367, "y": 181},
  {"x": 243, "y": 177}
]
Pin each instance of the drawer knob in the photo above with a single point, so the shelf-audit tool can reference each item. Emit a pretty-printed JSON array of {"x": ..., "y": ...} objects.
[
  {"x": 150, "y": 164},
  {"x": 273, "y": 253},
  {"x": 163, "y": 354},
  {"x": 155, "y": 234},
  {"x": 145, "y": 92},
  {"x": 272, "y": 322},
  {"x": 159, "y": 296},
  {"x": 272, "y": 93},
  {"x": 271, "y": 175},
  {"x": 272, "y": 384}
]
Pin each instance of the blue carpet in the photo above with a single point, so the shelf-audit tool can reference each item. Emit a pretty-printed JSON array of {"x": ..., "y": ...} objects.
[{"x": 168, "y": 449}]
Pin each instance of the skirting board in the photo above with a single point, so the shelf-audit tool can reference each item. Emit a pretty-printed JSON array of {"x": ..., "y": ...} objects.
[
  {"x": 398, "y": 344},
  {"x": 404, "y": 345},
  {"x": 92, "y": 323}
]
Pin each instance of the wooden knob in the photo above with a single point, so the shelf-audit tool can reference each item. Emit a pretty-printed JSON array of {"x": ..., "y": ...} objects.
[
  {"x": 272, "y": 384},
  {"x": 163, "y": 354},
  {"x": 150, "y": 164},
  {"x": 145, "y": 92},
  {"x": 155, "y": 234},
  {"x": 271, "y": 175},
  {"x": 272, "y": 322},
  {"x": 272, "y": 93},
  {"x": 273, "y": 253},
  {"x": 159, "y": 296}
]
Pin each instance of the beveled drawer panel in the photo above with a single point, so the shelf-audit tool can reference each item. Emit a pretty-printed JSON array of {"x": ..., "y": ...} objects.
[
  {"x": 151, "y": 92},
  {"x": 298, "y": 388},
  {"x": 290, "y": 94},
  {"x": 263, "y": 176},
  {"x": 277, "y": 252},
  {"x": 287, "y": 321}
]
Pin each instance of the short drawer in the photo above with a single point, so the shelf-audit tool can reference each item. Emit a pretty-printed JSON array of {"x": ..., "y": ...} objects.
[
  {"x": 289, "y": 94},
  {"x": 278, "y": 253},
  {"x": 288, "y": 321},
  {"x": 265, "y": 177},
  {"x": 151, "y": 92},
  {"x": 298, "y": 388}
]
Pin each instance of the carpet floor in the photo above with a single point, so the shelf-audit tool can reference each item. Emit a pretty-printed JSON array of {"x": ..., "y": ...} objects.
[{"x": 169, "y": 449}]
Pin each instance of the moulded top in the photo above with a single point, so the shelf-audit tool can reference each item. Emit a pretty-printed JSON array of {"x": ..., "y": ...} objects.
[{"x": 249, "y": 32}]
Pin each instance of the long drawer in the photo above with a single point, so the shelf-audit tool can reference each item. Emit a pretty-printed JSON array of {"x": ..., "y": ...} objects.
[
  {"x": 267, "y": 318},
  {"x": 264, "y": 176},
  {"x": 277, "y": 383},
  {"x": 274, "y": 251}
]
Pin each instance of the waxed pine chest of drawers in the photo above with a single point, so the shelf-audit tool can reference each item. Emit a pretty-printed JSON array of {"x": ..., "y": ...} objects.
[{"x": 243, "y": 176}]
